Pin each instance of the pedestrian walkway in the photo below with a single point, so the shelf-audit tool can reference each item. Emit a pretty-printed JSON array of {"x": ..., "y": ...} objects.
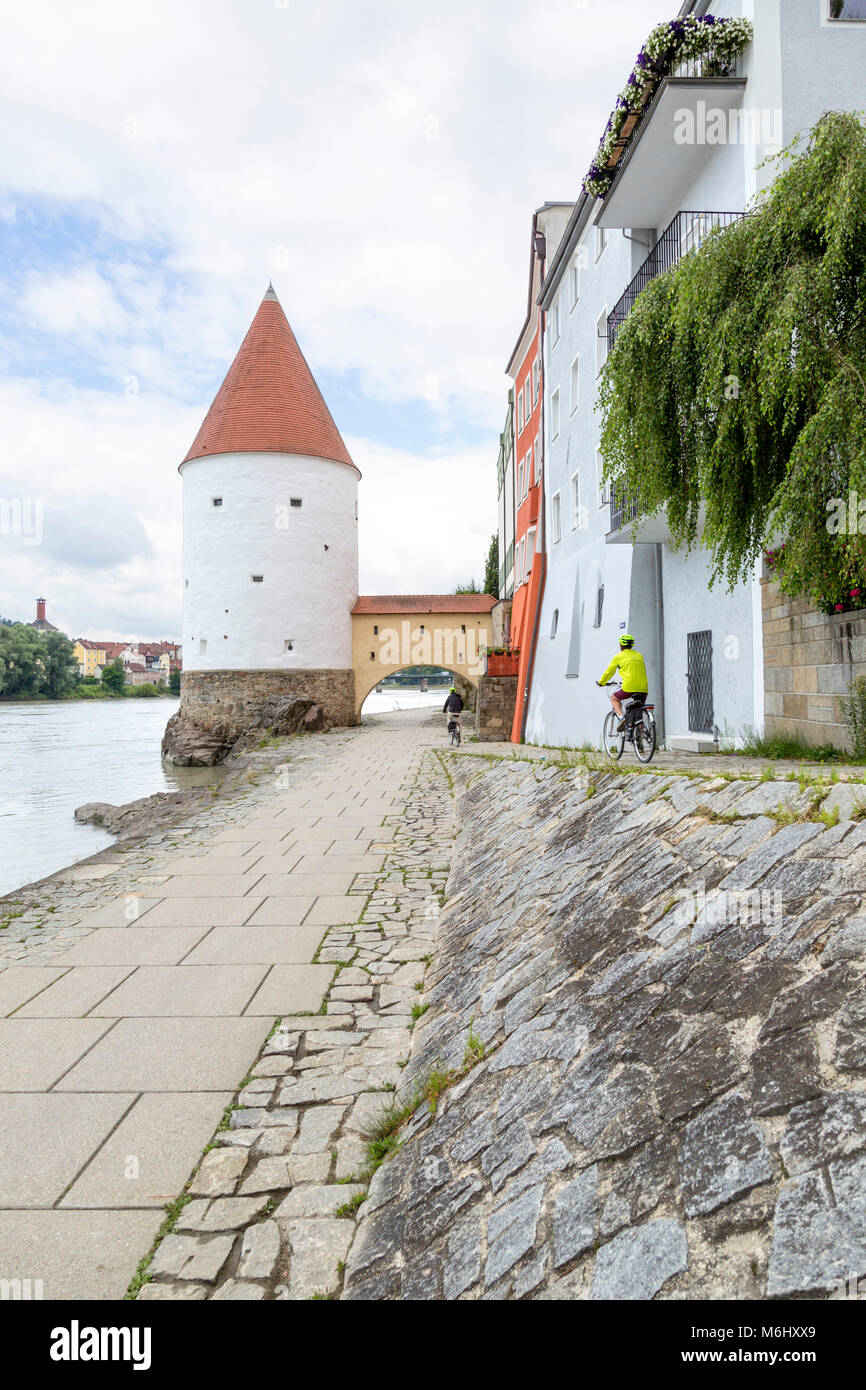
[{"x": 120, "y": 1053}]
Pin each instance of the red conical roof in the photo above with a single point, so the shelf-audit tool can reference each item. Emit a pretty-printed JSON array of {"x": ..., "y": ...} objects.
[{"x": 269, "y": 401}]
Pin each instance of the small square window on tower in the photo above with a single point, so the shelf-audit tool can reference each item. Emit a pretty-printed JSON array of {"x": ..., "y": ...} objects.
[
  {"x": 257, "y": 578},
  {"x": 297, "y": 502},
  {"x": 217, "y": 501},
  {"x": 288, "y": 644}
]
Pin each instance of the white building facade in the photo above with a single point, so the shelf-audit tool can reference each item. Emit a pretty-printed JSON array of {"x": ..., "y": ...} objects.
[{"x": 607, "y": 570}]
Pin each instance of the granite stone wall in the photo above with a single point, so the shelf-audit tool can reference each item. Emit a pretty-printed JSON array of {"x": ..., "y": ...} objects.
[
  {"x": 648, "y": 993},
  {"x": 229, "y": 700},
  {"x": 494, "y": 710},
  {"x": 810, "y": 658}
]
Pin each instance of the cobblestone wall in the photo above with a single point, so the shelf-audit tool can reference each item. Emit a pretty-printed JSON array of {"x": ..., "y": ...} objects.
[
  {"x": 648, "y": 994},
  {"x": 229, "y": 700},
  {"x": 494, "y": 710},
  {"x": 809, "y": 660}
]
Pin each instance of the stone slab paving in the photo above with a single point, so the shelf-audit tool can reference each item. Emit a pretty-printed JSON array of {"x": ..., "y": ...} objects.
[{"x": 137, "y": 995}]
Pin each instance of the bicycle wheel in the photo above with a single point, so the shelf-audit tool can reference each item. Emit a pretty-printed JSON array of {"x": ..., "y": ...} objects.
[
  {"x": 645, "y": 737},
  {"x": 613, "y": 742}
]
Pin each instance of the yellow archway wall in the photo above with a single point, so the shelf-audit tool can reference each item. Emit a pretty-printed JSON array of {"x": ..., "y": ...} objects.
[{"x": 385, "y": 642}]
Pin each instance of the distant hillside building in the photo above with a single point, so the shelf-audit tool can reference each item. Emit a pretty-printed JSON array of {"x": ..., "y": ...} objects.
[{"x": 41, "y": 623}]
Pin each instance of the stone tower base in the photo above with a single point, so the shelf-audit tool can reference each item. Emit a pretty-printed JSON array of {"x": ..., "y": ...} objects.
[
  {"x": 494, "y": 712},
  {"x": 228, "y": 701}
]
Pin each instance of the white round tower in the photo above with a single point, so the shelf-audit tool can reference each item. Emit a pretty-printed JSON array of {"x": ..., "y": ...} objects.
[{"x": 270, "y": 540}]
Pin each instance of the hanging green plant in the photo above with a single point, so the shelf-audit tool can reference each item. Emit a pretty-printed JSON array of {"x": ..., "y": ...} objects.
[{"x": 735, "y": 394}]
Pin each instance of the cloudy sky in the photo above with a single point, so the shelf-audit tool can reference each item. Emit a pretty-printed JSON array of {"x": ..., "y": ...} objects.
[{"x": 379, "y": 159}]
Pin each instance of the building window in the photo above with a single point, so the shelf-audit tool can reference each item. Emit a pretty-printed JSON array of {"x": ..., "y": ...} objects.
[
  {"x": 217, "y": 501},
  {"x": 375, "y": 629},
  {"x": 257, "y": 578},
  {"x": 536, "y": 377},
  {"x": 527, "y": 473},
  {"x": 600, "y": 241},
  {"x": 575, "y": 501},
  {"x": 850, "y": 10},
  {"x": 554, "y": 414},
  {"x": 538, "y": 458},
  {"x": 554, "y": 325},
  {"x": 599, "y": 605},
  {"x": 519, "y": 411},
  {"x": 527, "y": 399},
  {"x": 296, "y": 501},
  {"x": 202, "y": 646},
  {"x": 554, "y": 623},
  {"x": 601, "y": 340},
  {"x": 519, "y": 482},
  {"x": 575, "y": 384},
  {"x": 530, "y": 550},
  {"x": 574, "y": 282},
  {"x": 556, "y": 519},
  {"x": 572, "y": 663},
  {"x": 603, "y": 487},
  {"x": 288, "y": 644}
]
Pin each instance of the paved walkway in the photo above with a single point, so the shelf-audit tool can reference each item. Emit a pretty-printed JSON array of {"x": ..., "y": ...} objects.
[{"x": 120, "y": 1052}]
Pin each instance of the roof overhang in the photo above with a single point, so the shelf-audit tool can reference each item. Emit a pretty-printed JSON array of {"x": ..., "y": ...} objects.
[{"x": 657, "y": 165}]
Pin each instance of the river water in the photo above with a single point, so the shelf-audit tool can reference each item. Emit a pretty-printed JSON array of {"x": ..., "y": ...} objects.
[{"x": 56, "y": 756}]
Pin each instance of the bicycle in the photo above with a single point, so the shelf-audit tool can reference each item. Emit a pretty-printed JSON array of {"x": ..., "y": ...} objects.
[
  {"x": 454, "y": 731},
  {"x": 640, "y": 724}
]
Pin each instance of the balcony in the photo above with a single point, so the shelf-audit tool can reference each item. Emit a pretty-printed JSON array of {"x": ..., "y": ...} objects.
[
  {"x": 684, "y": 234},
  {"x": 664, "y": 143}
]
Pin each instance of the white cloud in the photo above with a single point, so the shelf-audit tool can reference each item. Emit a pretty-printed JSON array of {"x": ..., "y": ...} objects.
[{"x": 381, "y": 162}]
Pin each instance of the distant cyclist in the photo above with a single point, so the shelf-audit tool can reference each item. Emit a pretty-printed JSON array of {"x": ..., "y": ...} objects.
[
  {"x": 632, "y": 674},
  {"x": 453, "y": 707}
]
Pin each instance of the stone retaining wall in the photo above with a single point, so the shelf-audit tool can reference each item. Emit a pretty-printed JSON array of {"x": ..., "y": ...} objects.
[
  {"x": 653, "y": 1019},
  {"x": 494, "y": 711},
  {"x": 810, "y": 658},
  {"x": 230, "y": 700}
]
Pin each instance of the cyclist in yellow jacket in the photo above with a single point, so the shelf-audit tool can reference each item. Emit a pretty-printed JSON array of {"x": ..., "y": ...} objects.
[{"x": 632, "y": 674}]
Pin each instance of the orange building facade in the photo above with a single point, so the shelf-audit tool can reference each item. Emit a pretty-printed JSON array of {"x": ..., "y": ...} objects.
[{"x": 526, "y": 369}]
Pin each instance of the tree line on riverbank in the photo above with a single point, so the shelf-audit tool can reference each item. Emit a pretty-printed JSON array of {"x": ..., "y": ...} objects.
[{"x": 38, "y": 665}]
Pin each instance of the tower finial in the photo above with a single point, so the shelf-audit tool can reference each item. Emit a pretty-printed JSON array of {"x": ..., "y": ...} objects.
[{"x": 270, "y": 292}]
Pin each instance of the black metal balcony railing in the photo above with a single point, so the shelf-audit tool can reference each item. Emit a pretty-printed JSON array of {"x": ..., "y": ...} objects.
[
  {"x": 685, "y": 234},
  {"x": 624, "y": 506}
]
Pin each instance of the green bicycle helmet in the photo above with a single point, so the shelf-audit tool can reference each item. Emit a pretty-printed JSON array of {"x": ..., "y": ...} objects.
[{"x": 626, "y": 640}]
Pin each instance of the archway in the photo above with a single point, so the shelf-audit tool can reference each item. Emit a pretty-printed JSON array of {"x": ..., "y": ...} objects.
[{"x": 407, "y": 689}]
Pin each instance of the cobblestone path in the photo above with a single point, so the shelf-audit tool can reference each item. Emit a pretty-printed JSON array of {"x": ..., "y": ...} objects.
[{"x": 242, "y": 987}]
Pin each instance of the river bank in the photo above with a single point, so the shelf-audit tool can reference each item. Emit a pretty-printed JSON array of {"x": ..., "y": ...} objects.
[
  {"x": 56, "y": 755},
  {"x": 626, "y": 1055},
  {"x": 56, "y": 758}
]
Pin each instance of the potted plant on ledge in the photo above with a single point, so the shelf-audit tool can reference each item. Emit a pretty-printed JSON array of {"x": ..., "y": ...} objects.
[{"x": 502, "y": 661}]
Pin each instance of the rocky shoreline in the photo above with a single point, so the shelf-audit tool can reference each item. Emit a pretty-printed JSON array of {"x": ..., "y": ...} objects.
[
  {"x": 259, "y": 751},
  {"x": 186, "y": 744}
]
